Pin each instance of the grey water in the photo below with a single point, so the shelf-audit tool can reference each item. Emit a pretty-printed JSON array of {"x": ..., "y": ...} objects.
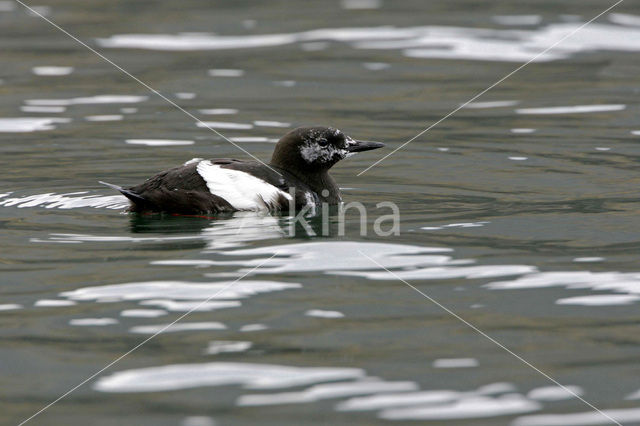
[{"x": 519, "y": 215}]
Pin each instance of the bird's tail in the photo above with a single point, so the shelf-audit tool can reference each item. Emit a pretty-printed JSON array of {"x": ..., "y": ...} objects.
[{"x": 136, "y": 198}]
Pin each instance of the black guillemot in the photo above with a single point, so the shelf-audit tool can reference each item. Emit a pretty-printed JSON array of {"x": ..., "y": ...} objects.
[{"x": 298, "y": 174}]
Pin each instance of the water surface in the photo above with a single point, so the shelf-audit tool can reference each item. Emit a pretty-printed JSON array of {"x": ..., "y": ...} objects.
[{"x": 518, "y": 214}]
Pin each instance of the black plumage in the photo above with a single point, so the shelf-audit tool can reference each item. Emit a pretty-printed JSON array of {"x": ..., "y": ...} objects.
[{"x": 298, "y": 169}]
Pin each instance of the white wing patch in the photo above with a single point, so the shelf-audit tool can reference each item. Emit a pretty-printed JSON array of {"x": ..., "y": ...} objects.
[
  {"x": 193, "y": 160},
  {"x": 240, "y": 189}
]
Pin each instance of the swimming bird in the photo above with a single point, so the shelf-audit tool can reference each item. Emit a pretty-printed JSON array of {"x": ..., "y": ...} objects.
[{"x": 297, "y": 174}]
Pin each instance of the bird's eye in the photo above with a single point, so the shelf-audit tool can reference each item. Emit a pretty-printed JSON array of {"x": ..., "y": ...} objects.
[{"x": 323, "y": 142}]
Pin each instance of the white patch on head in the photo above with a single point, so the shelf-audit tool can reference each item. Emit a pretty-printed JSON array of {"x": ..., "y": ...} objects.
[
  {"x": 312, "y": 152},
  {"x": 193, "y": 160},
  {"x": 242, "y": 190},
  {"x": 350, "y": 142}
]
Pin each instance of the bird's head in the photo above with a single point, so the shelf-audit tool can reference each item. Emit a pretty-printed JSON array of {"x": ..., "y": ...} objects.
[{"x": 315, "y": 149}]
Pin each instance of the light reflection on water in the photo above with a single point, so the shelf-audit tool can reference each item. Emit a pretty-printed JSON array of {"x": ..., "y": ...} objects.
[
  {"x": 395, "y": 400},
  {"x": 418, "y": 42},
  {"x": 391, "y": 400},
  {"x": 72, "y": 200}
]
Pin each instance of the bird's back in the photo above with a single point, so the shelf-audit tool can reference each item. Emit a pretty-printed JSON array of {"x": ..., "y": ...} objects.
[{"x": 212, "y": 186}]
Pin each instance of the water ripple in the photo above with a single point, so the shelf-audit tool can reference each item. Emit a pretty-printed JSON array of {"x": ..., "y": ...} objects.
[
  {"x": 52, "y": 200},
  {"x": 176, "y": 290},
  {"x": 30, "y": 124},
  {"x": 627, "y": 283},
  {"x": 315, "y": 256},
  {"x": 253, "y": 376},
  {"x": 420, "y": 42}
]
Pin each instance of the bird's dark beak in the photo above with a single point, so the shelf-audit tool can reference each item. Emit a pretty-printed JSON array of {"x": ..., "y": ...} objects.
[{"x": 359, "y": 146}]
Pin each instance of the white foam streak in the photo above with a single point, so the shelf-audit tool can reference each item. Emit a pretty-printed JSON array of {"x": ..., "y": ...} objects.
[
  {"x": 224, "y": 125},
  {"x": 223, "y": 346},
  {"x": 177, "y": 327},
  {"x": 43, "y": 109},
  {"x": 600, "y": 300},
  {"x": 491, "y": 104},
  {"x": 455, "y": 363},
  {"x": 89, "y": 100},
  {"x": 176, "y": 290},
  {"x": 218, "y": 111},
  {"x": 423, "y": 41},
  {"x": 360, "y": 4},
  {"x": 242, "y": 139},
  {"x": 185, "y": 95},
  {"x": 575, "y": 109},
  {"x": 342, "y": 256},
  {"x": 52, "y": 71},
  {"x": 53, "y": 303},
  {"x": 625, "y": 19},
  {"x": 84, "y": 238},
  {"x": 267, "y": 123},
  {"x": 447, "y": 272},
  {"x": 326, "y": 391},
  {"x": 555, "y": 393},
  {"x": 456, "y": 225},
  {"x": 226, "y": 73},
  {"x": 195, "y": 306},
  {"x": 10, "y": 306},
  {"x": 489, "y": 400},
  {"x": 110, "y": 117},
  {"x": 143, "y": 313},
  {"x": 66, "y": 201},
  {"x": 185, "y": 42},
  {"x": 616, "y": 281},
  {"x": 378, "y": 402},
  {"x": 319, "y": 313},
  {"x": 253, "y": 376},
  {"x": 159, "y": 142},
  {"x": 466, "y": 408},
  {"x": 93, "y": 322},
  {"x": 253, "y": 327},
  {"x": 623, "y": 416},
  {"x": 30, "y": 124}
]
